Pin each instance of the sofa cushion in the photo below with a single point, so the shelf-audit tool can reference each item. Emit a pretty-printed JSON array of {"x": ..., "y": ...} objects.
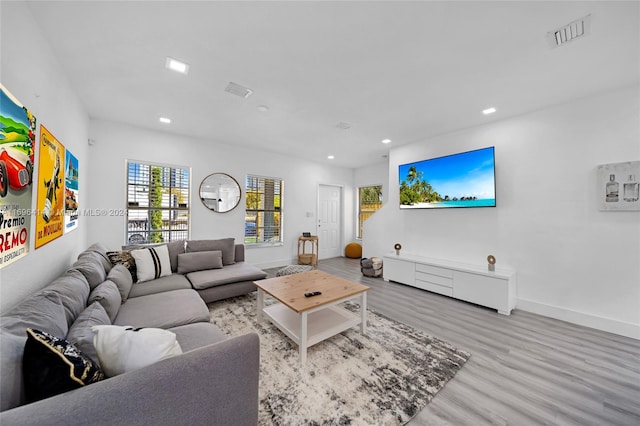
[
  {"x": 199, "y": 260},
  {"x": 163, "y": 310},
  {"x": 197, "y": 335},
  {"x": 172, "y": 282},
  {"x": 225, "y": 245},
  {"x": 152, "y": 262},
  {"x": 123, "y": 349},
  {"x": 98, "y": 252},
  {"x": 98, "y": 248},
  {"x": 108, "y": 295},
  {"x": 92, "y": 269},
  {"x": 124, "y": 257},
  {"x": 51, "y": 365},
  {"x": 175, "y": 248},
  {"x": 120, "y": 275},
  {"x": 43, "y": 310},
  {"x": 80, "y": 333},
  {"x": 11, "y": 383},
  {"x": 239, "y": 253},
  {"x": 229, "y": 274},
  {"x": 73, "y": 289}
]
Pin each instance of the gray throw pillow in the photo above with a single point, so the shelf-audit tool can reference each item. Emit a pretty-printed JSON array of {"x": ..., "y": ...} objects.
[
  {"x": 80, "y": 333},
  {"x": 199, "y": 261},
  {"x": 121, "y": 276},
  {"x": 108, "y": 295},
  {"x": 225, "y": 245}
]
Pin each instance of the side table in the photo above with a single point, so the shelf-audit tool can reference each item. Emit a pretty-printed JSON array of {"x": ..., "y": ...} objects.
[{"x": 304, "y": 257}]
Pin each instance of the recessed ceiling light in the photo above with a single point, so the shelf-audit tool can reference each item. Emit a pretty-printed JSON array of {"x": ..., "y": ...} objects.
[
  {"x": 165, "y": 120},
  {"x": 489, "y": 111},
  {"x": 386, "y": 140},
  {"x": 176, "y": 65},
  {"x": 263, "y": 108},
  {"x": 331, "y": 157}
]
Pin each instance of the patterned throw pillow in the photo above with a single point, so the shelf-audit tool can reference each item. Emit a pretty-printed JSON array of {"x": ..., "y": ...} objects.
[
  {"x": 124, "y": 258},
  {"x": 51, "y": 366}
]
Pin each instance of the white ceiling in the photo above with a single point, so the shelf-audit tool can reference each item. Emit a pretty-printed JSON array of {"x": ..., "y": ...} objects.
[{"x": 400, "y": 70}]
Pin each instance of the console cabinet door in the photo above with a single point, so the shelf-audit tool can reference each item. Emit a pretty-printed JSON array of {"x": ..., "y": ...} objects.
[
  {"x": 482, "y": 290},
  {"x": 400, "y": 271}
]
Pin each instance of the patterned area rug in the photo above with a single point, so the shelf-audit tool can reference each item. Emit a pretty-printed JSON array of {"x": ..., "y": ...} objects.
[{"x": 383, "y": 378}]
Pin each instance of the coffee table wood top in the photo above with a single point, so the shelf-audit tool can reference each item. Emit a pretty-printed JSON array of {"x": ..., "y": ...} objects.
[{"x": 290, "y": 289}]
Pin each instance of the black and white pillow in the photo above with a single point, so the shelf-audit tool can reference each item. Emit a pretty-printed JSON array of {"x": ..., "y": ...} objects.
[
  {"x": 152, "y": 262},
  {"x": 52, "y": 365},
  {"x": 124, "y": 258}
]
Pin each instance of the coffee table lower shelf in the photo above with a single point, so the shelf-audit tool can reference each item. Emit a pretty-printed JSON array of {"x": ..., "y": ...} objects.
[
  {"x": 321, "y": 324},
  {"x": 315, "y": 325}
]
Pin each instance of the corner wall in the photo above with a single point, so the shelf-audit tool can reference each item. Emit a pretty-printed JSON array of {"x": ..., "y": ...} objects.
[
  {"x": 573, "y": 261},
  {"x": 33, "y": 75}
]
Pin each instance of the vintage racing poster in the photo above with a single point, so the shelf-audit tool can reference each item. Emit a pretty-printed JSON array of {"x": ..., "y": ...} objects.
[
  {"x": 17, "y": 145},
  {"x": 50, "y": 200}
]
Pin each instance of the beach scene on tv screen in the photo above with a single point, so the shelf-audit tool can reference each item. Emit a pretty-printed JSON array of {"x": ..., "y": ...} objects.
[{"x": 460, "y": 180}]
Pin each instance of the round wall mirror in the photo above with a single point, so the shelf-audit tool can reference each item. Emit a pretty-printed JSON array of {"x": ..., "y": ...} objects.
[{"x": 220, "y": 192}]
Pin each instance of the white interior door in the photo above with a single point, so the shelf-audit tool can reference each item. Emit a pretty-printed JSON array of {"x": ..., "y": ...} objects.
[{"x": 329, "y": 221}]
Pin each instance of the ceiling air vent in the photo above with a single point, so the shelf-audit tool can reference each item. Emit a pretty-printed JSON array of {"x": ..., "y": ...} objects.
[
  {"x": 238, "y": 90},
  {"x": 576, "y": 29}
]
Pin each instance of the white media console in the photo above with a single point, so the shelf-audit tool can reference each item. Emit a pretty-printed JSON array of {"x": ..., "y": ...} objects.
[{"x": 472, "y": 283}]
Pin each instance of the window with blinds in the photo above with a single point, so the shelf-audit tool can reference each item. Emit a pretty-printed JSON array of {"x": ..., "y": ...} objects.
[
  {"x": 157, "y": 203},
  {"x": 263, "y": 216},
  {"x": 369, "y": 201}
]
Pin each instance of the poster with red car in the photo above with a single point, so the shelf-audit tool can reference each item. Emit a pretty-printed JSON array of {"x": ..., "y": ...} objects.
[
  {"x": 17, "y": 145},
  {"x": 50, "y": 200}
]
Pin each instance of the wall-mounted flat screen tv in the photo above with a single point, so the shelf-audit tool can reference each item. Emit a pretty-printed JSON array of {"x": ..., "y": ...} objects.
[{"x": 466, "y": 179}]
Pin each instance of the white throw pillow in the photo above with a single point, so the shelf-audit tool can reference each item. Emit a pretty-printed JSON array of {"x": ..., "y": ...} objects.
[
  {"x": 121, "y": 349},
  {"x": 152, "y": 262}
]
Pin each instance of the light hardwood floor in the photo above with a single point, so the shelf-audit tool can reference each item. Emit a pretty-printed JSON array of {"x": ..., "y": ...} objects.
[{"x": 525, "y": 369}]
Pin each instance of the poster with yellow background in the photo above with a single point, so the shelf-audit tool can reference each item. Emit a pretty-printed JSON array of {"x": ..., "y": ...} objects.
[{"x": 50, "y": 203}]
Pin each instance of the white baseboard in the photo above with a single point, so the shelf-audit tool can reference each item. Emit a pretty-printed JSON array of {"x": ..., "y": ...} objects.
[{"x": 600, "y": 323}]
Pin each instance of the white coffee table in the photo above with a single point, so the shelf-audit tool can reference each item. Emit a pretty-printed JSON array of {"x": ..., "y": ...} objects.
[{"x": 310, "y": 320}]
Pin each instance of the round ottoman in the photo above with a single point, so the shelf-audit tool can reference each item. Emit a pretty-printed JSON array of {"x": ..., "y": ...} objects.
[{"x": 353, "y": 251}]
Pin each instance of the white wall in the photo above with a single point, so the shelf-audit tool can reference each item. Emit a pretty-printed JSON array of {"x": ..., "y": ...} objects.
[
  {"x": 573, "y": 261},
  {"x": 115, "y": 143},
  {"x": 32, "y": 74}
]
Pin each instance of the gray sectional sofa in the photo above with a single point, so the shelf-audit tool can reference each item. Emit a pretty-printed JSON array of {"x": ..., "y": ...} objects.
[
  {"x": 214, "y": 380},
  {"x": 234, "y": 277}
]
